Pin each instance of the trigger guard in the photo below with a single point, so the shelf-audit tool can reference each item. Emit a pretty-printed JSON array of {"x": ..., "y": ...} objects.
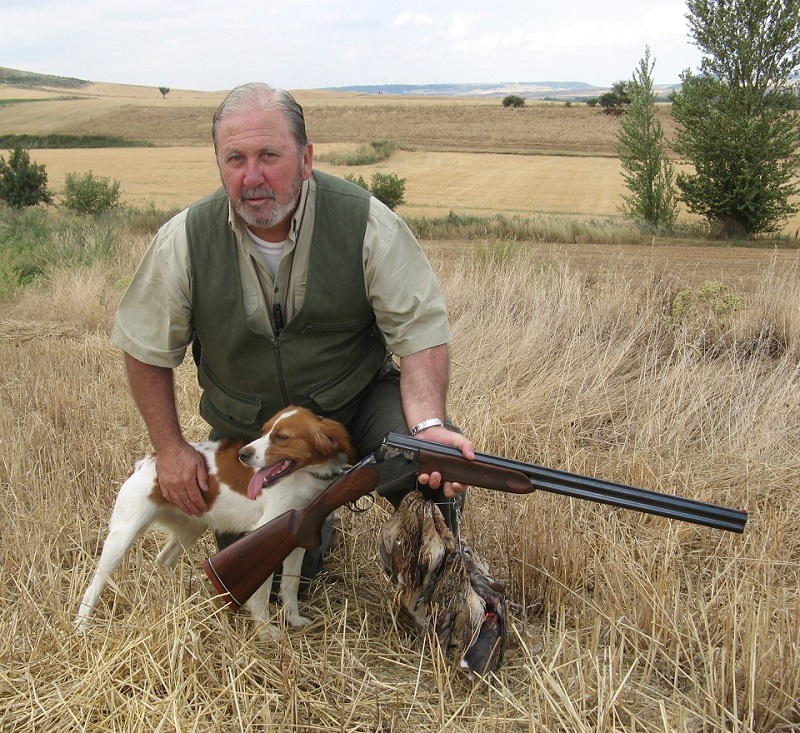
[{"x": 362, "y": 504}]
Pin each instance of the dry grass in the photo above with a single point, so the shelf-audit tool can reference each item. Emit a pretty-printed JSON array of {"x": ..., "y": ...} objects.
[
  {"x": 563, "y": 356},
  {"x": 619, "y": 621}
]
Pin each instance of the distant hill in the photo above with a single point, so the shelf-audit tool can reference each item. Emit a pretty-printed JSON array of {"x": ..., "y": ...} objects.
[
  {"x": 558, "y": 90},
  {"x": 529, "y": 90},
  {"x": 555, "y": 90},
  {"x": 17, "y": 78}
]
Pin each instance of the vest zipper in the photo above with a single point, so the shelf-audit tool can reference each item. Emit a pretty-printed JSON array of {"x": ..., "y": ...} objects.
[
  {"x": 277, "y": 314},
  {"x": 276, "y": 350}
]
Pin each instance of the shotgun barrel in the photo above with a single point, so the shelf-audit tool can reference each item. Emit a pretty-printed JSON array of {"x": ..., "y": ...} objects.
[{"x": 453, "y": 467}]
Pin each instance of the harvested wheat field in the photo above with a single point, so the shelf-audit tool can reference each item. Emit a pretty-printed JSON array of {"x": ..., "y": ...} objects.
[
  {"x": 436, "y": 182},
  {"x": 670, "y": 366},
  {"x": 618, "y": 621}
]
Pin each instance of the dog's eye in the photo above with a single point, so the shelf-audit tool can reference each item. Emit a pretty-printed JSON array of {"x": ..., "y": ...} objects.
[{"x": 280, "y": 438}]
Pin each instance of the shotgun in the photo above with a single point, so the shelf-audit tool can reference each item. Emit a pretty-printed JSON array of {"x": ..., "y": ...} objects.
[{"x": 240, "y": 569}]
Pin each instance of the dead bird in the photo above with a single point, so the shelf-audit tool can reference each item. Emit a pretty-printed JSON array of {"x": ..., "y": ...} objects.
[
  {"x": 414, "y": 543},
  {"x": 443, "y": 586}
]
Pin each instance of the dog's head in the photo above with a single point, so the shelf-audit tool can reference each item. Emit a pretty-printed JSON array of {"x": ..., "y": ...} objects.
[{"x": 293, "y": 439}]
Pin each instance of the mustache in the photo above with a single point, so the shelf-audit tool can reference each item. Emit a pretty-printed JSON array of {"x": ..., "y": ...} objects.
[{"x": 262, "y": 192}]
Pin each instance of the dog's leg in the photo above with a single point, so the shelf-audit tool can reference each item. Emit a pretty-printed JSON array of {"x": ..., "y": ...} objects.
[
  {"x": 258, "y": 606},
  {"x": 182, "y": 535},
  {"x": 258, "y": 603},
  {"x": 290, "y": 585},
  {"x": 131, "y": 516}
]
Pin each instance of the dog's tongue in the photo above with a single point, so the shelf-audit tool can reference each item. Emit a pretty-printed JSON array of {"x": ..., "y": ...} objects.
[{"x": 262, "y": 476}]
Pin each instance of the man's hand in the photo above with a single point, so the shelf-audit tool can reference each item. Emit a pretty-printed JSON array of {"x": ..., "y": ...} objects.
[
  {"x": 446, "y": 437},
  {"x": 182, "y": 474},
  {"x": 183, "y": 478}
]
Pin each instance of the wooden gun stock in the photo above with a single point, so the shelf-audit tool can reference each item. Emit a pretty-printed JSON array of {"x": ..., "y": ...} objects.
[{"x": 241, "y": 568}]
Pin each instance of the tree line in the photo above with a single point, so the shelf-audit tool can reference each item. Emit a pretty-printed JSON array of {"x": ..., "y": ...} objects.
[{"x": 737, "y": 124}]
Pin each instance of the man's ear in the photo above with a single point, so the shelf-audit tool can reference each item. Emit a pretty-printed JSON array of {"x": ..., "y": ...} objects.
[{"x": 308, "y": 161}]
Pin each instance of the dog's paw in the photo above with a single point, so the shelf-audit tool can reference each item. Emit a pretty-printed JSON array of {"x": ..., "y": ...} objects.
[
  {"x": 269, "y": 632},
  {"x": 297, "y": 621}
]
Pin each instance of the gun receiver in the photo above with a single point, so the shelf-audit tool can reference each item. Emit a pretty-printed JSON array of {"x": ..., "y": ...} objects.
[{"x": 241, "y": 568}]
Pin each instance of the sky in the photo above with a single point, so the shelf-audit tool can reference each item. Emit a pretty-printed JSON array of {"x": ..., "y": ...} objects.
[{"x": 309, "y": 44}]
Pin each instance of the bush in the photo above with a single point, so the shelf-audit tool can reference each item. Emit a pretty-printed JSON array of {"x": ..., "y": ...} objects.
[
  {"x": 513, "y": 100},
  {"x": 711, "y": 298},
  {"x": 374, "y": 152},
  {"x": 22, "y": 183},
  {"x": 24, "y": 236},
  {"x": 89, "y": 194},
  {"x": 389, "y": 188},
  {"x": 386, "y": 187}
]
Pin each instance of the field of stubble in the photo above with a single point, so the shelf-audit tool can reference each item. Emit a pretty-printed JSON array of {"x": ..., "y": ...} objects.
[{"x": 572, "y": 356}]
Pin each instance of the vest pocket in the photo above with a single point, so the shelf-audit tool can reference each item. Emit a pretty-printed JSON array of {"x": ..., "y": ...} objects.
[
  {"x": 370, "y": 362},
  {"x": 236, "y": 407},
  {"x": 335, "y": 326}
]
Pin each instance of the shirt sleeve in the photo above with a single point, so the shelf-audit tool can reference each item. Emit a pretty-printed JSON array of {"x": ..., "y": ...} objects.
[
  {"x": 408, "y": 303},
  {"x": 154, "y": 319}
]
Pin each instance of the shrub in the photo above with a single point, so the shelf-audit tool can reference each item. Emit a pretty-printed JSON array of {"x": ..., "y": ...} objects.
[
  {"x": 374, "y": 152},
  {"x": 389, "y": 188},
  {"x": 386, "y": 187},
  {"x": 89, "y": 194},
  {"x": 710, "y": 298},
  {"x": 513, "y": 100},
  {"x": 22, "y": 183}
]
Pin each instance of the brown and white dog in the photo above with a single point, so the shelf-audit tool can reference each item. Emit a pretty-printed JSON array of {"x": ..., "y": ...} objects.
[{"x": 296, "y": 457}]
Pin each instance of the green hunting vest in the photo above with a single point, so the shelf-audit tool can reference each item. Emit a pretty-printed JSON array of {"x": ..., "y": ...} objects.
[{"x": 324, "y": 358}]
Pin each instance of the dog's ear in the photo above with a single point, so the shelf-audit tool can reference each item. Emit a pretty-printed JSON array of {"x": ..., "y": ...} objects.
[{"x": 333, "y": 438}]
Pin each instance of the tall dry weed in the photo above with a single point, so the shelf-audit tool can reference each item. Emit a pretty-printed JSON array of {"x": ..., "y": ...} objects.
[{"x": 619, "y": 621}]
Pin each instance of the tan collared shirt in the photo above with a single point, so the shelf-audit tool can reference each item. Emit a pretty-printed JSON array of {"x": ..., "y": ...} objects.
[{"x": 154, "y": 318}]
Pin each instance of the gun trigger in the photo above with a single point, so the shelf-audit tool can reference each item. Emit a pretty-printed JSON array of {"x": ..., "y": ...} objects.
[{"x": 357, "y": 508}]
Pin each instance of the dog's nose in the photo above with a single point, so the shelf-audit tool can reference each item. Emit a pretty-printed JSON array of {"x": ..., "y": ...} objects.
[{"x": 245, "y": 454}]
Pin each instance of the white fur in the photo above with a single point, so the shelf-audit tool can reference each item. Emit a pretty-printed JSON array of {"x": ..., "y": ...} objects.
[{"x": 134, "y": 513}]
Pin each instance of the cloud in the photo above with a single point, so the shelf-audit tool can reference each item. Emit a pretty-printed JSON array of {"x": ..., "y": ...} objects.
[
  {"x": 417, "y": 20},
  {"x": 204, "y": 44}
]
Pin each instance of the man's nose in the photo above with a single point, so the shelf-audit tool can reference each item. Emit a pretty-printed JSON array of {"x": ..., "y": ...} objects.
[{"x": 253, "y": 175}]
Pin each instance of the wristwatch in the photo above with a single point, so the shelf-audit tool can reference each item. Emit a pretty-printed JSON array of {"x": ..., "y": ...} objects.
[{"x": 433, "y": 422}]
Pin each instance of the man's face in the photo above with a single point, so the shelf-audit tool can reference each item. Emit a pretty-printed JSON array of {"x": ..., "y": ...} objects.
[{"x": 262, "y": 170}]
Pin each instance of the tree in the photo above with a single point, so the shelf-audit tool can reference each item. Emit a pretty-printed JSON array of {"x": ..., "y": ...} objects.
[
  {"x": 513, "y": 100},
  {"x": 164, "y": 91},
  {"x": 736, "y": 124},
  {"x": 23, "y": 183},
  {"x": 614, "y": 102},
  {"x": 648, "y": 172}
]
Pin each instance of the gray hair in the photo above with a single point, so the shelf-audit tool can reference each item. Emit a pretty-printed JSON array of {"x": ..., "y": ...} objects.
[{"x": 259, "y": 96}]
